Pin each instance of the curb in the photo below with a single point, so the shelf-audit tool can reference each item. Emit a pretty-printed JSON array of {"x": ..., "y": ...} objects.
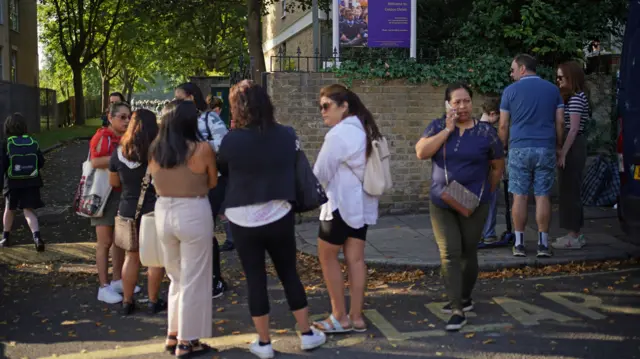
[
  {"x": 528, "y": 262},
  {"x": 65, "y": 142}
]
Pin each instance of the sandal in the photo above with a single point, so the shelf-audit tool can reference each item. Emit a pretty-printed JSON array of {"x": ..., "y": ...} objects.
[
  {"x": 189, "y": 349},
  {"x": 334, "y": 328},
  {"x": 357, "y": 329},
  {"x": 171, "y": 348}
]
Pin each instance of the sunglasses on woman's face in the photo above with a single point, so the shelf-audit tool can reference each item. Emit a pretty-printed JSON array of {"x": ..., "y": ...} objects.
[
  {"x": 325, "y": 106},
  {"x": 123, "y": 117},
  {"x": 559, "y": 78}
]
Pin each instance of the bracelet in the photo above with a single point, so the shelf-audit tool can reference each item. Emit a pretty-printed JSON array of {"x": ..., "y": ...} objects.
[{"x": 447, "y": 129}]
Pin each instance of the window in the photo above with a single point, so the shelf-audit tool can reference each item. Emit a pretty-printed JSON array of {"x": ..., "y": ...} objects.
[
  {"x": 283, "y": 3},
  {"x": 13, "y": 76},
  {"x": 1, "y": 12},
  {"x": 14, "y": 15}
]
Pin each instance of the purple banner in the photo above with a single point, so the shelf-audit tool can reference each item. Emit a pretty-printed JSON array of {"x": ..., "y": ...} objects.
[{"x": 390, "y": 23}]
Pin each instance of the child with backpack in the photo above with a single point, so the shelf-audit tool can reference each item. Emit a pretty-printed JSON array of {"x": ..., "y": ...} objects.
[{"x": 22, "y": 161}]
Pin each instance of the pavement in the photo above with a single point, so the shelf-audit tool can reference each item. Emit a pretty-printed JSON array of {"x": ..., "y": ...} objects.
[
  {"x": 48, "y": 312},
  {"x": 408, "y": 241},
  {"x": 48, "y": 306}
]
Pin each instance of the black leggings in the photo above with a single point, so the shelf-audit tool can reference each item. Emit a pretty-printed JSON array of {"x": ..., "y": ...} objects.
[
  {"x": 279, "y": 240},
  {"x": 216, "y": 197}
]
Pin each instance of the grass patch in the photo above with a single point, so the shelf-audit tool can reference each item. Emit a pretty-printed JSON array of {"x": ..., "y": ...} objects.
[{"x": 49, "y": 138}]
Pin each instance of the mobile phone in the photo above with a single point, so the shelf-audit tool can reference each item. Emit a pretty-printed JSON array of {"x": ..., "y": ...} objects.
[{"x": 449, "y": 107}]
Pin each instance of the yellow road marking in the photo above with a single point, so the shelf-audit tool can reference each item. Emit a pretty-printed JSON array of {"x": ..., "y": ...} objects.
[
  {"x": 392, "y": 334},
  {"x": 229, "y": 340},
  {"x": 529, "y": 314},
  {"x": 588, "y": 303}
]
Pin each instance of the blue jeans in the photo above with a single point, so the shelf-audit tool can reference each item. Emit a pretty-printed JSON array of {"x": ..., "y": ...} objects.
[
  {"x": 532, "y": 168},
  {"x": 489, "y": 230}
]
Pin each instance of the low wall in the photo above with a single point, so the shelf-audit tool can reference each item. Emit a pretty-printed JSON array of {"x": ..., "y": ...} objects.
[{"x": 402, "y": 111}]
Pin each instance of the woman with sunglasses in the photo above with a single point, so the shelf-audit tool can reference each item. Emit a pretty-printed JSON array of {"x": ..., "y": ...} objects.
[{"x": 101, "y": 147}]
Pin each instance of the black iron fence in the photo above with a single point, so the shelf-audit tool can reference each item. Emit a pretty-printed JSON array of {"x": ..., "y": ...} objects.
[
  {"x": 319, "y": 61},
  {"x": 37, "y": 105}
]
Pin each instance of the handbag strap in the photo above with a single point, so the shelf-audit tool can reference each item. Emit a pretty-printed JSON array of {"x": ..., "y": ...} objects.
[
  {"x": 146, "y": 180},
  {"x": 446, "y": 174}
]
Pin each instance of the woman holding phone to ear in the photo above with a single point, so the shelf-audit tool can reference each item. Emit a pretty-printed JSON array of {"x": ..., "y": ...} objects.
[{"x": 469, "y": 152}]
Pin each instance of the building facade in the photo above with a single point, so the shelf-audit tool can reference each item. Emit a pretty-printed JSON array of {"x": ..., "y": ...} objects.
[
  {"x": 284, "y": 32},
  {"x": 19, "y": 42}
]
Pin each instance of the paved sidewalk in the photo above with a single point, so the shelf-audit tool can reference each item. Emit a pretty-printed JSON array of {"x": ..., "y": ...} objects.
[{"x": 407, "y": 240}]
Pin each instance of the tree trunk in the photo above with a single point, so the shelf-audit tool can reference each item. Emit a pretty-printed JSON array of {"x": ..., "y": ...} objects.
[
  {"x": 106, "y": 89},
  {"x": 130, "y": 90},
  {"x": 254, "y": 37},
  {"x": 79, "y": 96}
]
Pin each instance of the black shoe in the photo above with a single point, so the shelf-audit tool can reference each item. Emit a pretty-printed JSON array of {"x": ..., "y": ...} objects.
[
  {"x": 456, "y": 322},
  {"x": 157, "y": 307},
  {"x": 39, "y": 243},
  {"x": 543, "y": 251},
  {"x": 219, "y": 286},
  {"x": 128, "y": 308},
  {"x": 519, "y": 251},
  {"x": 5, "y": 242},
  {"x": 227, "y": 246},
  {"x": 467, "y": 306}
]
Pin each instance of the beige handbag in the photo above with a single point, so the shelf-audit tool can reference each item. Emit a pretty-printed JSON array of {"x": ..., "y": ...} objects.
[
  {"x": 458, "y": 196},
  {"x": 151, "y": 254},
  {"x": 125, "y": 231}
]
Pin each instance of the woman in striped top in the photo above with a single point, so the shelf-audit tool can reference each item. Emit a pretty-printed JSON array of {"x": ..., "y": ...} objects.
[{"x": 571, "y": 160}]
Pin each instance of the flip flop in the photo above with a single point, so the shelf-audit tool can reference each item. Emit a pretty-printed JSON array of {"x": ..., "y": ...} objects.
[
  {"x": 335, "y": 328},
  {"x": 356, "y": 329}
]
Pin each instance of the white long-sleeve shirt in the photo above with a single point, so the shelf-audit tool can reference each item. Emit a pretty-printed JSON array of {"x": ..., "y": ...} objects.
[{"x": 340, "y": 169}]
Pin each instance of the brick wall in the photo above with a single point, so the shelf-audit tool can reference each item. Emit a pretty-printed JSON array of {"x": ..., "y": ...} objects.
[{"x": 402, "y": 111}]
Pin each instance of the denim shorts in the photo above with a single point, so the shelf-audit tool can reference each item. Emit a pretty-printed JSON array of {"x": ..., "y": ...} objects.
[{"x": 531, "y": 168}]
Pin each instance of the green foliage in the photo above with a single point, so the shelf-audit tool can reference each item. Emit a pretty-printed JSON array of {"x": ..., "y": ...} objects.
[
  {"x": 487, "y": 74},
  {"x": 552, "y": 30}
]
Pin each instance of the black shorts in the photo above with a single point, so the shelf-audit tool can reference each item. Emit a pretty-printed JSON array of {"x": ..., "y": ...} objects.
[
  {"x": 336, "y": 231},
  {"x": 21, "y": 198}
]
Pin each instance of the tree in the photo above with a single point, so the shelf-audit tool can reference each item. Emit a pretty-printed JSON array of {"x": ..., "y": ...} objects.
[
  {"x": 196, "y": 37},
  {"x": 83, "y": 29},
  {"x": 552, "y": 30}
]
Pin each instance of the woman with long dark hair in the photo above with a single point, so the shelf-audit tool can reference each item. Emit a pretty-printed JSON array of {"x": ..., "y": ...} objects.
[
  {"x": 572, "y": 158},
  {"x": 184, "y": 169},
  {"x": 211, "y": 129},
  {"x": 344, "y": 220},
  {"x": 128, "y": 167},
  {"x": 259, "y": 157}
]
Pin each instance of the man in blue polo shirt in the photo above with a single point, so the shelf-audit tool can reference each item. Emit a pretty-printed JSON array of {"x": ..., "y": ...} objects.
[{"x": 532, "y": 123}]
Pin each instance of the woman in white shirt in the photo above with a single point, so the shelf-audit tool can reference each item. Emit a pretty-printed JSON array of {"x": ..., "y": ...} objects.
[{"x": 344, "y": 219}]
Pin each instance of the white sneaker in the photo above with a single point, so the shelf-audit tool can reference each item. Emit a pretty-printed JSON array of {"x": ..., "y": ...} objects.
[
  {"x": 117, "y": 286},
  {"x": 308, "y": 342},
  {"x": 108, "y": 295},
  {"x": 568, "y": 242},
  {"x": 263, "y": 352}
]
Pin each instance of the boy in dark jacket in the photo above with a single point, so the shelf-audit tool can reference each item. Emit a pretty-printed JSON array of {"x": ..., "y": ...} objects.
[{"x": 22, "y": 161}]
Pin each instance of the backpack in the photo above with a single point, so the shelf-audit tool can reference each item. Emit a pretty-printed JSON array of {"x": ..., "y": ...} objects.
[
  {"x": 22, "y": 152},
  {"x": 377, "y": 173}
]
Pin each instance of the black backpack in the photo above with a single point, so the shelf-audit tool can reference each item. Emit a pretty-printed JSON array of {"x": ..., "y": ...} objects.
[{"x": 22, "y": 152}]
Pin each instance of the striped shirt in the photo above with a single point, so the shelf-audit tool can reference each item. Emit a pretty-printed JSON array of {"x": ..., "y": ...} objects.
[{"x": 578, "y": 104}]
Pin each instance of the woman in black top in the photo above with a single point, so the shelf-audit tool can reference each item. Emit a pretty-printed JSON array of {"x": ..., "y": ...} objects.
[
  {"x": 259, "y": 157},
  {"x": 128, "y": 166}
]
